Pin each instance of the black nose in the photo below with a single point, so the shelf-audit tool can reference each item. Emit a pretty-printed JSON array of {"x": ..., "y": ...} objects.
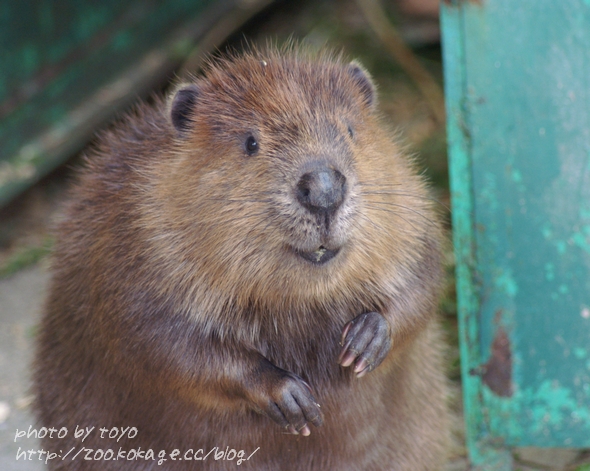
[{"x": 321, "y": 190}]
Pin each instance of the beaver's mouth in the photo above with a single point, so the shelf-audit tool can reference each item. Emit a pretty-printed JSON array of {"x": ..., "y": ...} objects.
[{"x": 319, "y": 256}]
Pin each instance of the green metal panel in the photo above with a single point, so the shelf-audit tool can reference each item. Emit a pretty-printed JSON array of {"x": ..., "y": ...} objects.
[
  {"x": 65, "y": 64},
  {"x": 518, "y": 105}
]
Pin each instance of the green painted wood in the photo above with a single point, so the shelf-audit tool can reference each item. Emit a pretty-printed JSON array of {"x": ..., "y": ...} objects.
[
  {"x": 67, "y": 65},
  {"x": 518, "y": 95},
  {"x": 458, "y": 140}
]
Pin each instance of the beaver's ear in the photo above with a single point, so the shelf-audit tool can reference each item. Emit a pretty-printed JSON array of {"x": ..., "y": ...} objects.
[
  {"x": 364, "y": 82},
  {"x": 182, "y": 107}
]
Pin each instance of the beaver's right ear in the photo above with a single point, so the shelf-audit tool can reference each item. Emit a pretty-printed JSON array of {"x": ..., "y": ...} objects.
[
  {"x": 182, "y": 108},
  {"x": 364, "y": 82}
]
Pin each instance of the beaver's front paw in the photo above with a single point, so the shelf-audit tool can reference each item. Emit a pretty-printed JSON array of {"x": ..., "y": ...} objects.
[
  {"x": 366, "y": 340},
  {"x": 285, "y": 398}
]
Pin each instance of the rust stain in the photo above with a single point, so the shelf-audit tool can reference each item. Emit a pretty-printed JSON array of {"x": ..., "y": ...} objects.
[{"x": 496, "y": 374}]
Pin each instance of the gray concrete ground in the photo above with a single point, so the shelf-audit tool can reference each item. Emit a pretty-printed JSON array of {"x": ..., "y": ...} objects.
[{"x": 21, "y": 298}]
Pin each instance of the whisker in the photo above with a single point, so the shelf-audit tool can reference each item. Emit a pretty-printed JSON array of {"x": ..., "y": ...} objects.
[
  {"x": 365, "y": 218},
  {"x": 411, "y": 195},
  {"x": 396, "y": 213},
  {"x": 375, "y": 205},
  {"x": 227, "y": 200}
]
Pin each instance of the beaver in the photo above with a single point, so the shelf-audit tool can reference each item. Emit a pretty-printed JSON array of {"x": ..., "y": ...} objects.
[{"x": 247, "y": 274}]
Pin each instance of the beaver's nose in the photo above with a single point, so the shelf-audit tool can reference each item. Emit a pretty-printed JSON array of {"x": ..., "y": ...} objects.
[{"x": 321, "y": 190}]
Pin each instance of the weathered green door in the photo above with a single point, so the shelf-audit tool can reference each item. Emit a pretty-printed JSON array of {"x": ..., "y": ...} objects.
[
  {"x": 518, "y": 98},
  {"x": 67, "y": 65}
]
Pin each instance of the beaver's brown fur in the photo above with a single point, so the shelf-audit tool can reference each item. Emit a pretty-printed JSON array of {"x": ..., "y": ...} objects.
[{"x": 231, "y": 260}]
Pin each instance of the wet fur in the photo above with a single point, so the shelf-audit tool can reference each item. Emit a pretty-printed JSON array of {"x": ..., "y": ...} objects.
[{"x": 175, "y": 277}]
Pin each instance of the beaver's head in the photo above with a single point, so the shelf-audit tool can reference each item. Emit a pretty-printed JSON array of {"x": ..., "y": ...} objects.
[{"x": 282, "y": 178}]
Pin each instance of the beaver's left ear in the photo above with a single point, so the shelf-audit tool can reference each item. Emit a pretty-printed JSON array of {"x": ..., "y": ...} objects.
[
  {"x": 364, "y": 82},
  {"x": 182, "y": 107}
]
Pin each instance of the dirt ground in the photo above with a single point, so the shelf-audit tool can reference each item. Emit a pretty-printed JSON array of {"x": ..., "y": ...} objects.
[{"x": 25, "y": 225}]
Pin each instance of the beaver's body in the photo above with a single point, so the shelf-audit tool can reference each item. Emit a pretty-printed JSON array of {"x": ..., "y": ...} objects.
[{"x": 212, "y": 257}]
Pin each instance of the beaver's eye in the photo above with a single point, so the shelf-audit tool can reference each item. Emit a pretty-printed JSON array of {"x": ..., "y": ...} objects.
[
  {"x": 251, "y": 145},
  {"x": 350, "y": 132}
]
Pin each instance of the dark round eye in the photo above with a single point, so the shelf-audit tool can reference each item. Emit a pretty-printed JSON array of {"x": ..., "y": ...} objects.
[
  {"x": 350, "y": 132},
  {"x": 251, "y": 145}
]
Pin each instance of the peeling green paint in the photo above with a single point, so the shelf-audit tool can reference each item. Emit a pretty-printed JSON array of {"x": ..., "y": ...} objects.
[
  {"x": 563, "y": 289},
  {"x": 506, "y": 283},
  {"x": 582, "y": 241},
  {"x": 580, "y": 353},
  {"x": 549, "y": 271},
  {"x": 516, "y": 176},
  {"x": 550, "y": 406},
  {"x": 561, "y": 247}
]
